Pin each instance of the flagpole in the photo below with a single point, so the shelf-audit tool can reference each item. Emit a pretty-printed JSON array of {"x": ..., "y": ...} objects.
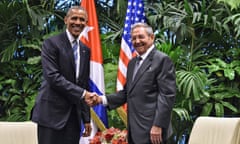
[
  {"x": 97, "y": 120},
  {"x": 123, "y": 115}
]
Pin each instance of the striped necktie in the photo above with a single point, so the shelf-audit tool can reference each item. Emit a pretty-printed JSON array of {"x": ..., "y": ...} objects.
[
  {"x": 137, "y": 65},
  {"x": 76, "y": 57}
]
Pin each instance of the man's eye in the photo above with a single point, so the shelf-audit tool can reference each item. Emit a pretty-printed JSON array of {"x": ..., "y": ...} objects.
[
  {"x": 82, "y": 19},
  {"x": 74, "y": 18},
  {"x": 77, "y": 18},
  {"x": 141, "y": 37},
  {"x": 138, "y": 37}
]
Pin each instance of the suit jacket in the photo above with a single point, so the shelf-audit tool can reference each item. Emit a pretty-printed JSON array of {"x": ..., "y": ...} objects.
[
  {"x": 150, "y": 97},
  {"x": 60, "y": 91}
]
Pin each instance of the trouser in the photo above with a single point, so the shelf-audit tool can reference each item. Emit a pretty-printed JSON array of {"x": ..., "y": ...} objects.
[{"x": 70, "y": 134}]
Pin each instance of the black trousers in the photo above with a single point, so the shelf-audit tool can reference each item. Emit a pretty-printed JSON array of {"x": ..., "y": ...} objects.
[
  {"x": 70, "y": 134},
  {"x": 130, "y": 140}
]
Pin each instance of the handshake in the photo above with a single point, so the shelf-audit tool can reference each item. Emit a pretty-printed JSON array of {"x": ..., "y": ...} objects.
[{"x": 92, "y": 99}]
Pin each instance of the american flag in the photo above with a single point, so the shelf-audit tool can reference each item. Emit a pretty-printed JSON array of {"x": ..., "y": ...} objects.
[{"x": 135, "y": 14}]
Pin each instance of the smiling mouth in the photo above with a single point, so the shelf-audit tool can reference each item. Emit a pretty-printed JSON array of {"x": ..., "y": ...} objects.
[
  {"x": 139, "y": 46},
  {"x": 75, "y": 28}
]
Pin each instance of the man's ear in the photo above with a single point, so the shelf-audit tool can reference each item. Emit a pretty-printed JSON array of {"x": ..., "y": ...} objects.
[
  {"x": 65, "y": 20},
  {"x": 152, "y": 36}
]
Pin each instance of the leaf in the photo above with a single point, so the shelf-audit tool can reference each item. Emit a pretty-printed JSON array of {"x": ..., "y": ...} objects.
[
  {"x": 218, "y": 96},
  {"x": 230, "y": 106},
  {"x": 182, "y": 113},
  {"x": 229, "y": 73},
  {"x": 34, "y": 60},
  {"x": 219, "y": 109},
  {"x": 188, "y": 7},
  {"x": 7, "y": 53},
  {"x": 233, "y": 3},
  {"x": 32, "y": 46},
  {"x": 207, "y": 108}
]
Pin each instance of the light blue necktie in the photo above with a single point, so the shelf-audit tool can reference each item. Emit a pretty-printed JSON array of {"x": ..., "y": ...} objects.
[{"x": 75, "y": 53}]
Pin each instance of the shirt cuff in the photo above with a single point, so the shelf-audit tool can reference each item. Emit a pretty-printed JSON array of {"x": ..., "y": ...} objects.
[
  {"x": 104, "y": 100},
  {"x": 84, "y": 92}
]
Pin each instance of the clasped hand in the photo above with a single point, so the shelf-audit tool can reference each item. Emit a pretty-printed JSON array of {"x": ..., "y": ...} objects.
[{"x": 92, "y": 99}]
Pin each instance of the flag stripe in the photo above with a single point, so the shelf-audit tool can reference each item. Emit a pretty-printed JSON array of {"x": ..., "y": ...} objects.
[
  {"x": 122, "y": 68},
  {"x": 121, "y": 79},
  {"x": 125, "y": 49}
]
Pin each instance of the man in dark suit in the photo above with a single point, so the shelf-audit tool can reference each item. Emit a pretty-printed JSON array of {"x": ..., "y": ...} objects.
[
  {"x": 150, "y": 94},
  {"x": 60, "y": 106}
]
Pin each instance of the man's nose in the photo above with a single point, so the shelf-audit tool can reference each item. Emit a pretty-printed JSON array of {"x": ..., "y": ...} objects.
[
  {"x": 137, "y": 40},
  {"x": 78, "y": 21}
]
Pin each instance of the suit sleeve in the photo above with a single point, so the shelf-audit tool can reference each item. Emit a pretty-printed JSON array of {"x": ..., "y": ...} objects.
[
  {"x": 167, "y": 91},
  {"x": 85, "y": 112},
  {"x": 117, "y": 99}
]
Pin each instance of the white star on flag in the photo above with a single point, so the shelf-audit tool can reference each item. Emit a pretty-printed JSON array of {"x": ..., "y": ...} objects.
[{"x": 85, "y": 31}]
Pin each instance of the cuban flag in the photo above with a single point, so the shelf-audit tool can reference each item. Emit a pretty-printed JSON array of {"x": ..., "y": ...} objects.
[
  {"x": 90, "y": 37},
  {"x": 135, "y": 13}
]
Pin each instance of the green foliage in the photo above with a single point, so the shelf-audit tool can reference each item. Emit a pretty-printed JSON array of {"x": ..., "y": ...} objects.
[
  {"x": 233, "y": 3},
  {"x": 114, "y": 120},
  {"x": 110, "y": 76},
  {"x": 192, "y": 83},
  {"x": 222, "y": 68},
  {"x": 234, "y": 20},
  {"x": 175, "y": 53},
  {"x": 21, "y": 23},
  {"x": 110, "y": 49},
  {"x": 21, "y": 33},
  {"x": 18, "y": 91}
]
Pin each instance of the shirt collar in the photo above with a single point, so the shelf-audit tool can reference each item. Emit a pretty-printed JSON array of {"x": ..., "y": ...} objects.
[
  {"x": 70, "y": 37},
  {"x": 143, "y": 56}
]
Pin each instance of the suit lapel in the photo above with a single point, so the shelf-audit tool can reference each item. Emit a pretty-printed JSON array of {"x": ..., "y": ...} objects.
[
  {"x": 131, "y": 69},
  {"x": 82, "y": 58},
  {"x": 66, "y": 44}
]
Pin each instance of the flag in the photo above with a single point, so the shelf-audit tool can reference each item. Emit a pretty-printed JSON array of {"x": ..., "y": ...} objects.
[
  {"x": 135, "y": 13},
  {"x": 90, "y": 37}
]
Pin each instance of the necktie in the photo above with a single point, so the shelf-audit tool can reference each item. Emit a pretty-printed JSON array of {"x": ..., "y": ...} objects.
[
  {"x": 137, "y": 65},
  {"x": 75, "y": 53}
]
